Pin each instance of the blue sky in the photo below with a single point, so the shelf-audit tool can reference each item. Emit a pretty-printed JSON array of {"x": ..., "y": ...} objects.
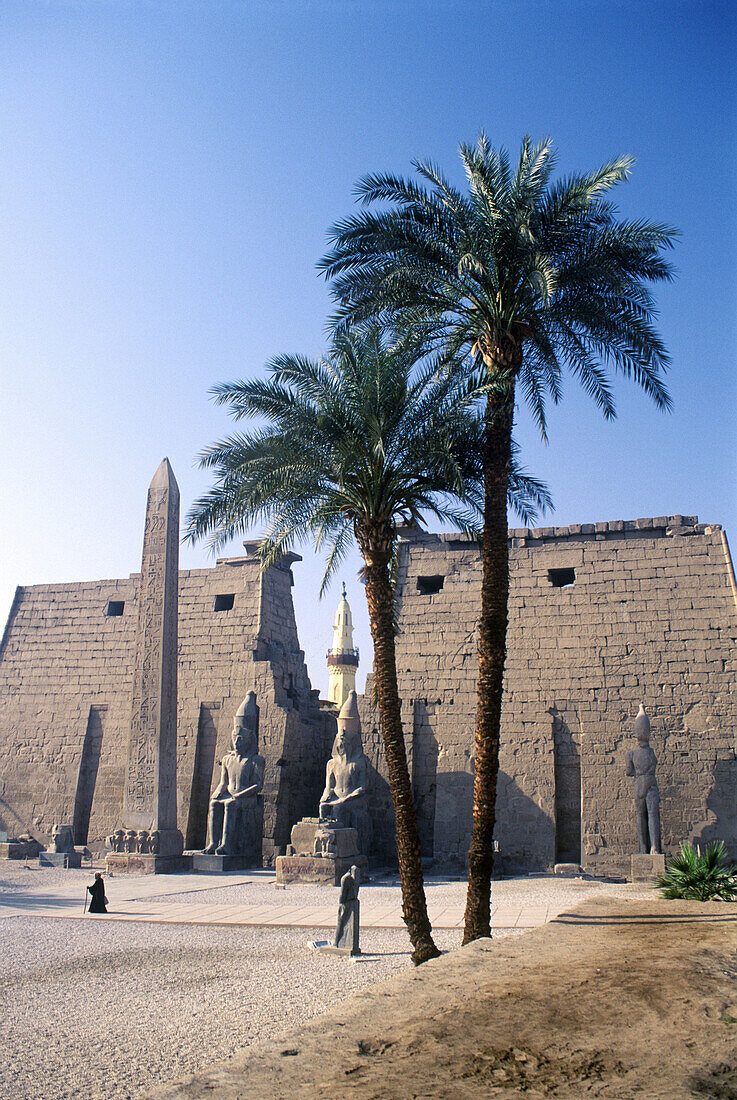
[{"x": 169, "y": 171}]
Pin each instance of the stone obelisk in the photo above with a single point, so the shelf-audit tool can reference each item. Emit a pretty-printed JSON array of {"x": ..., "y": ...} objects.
[{"x": 149, "y": 840}]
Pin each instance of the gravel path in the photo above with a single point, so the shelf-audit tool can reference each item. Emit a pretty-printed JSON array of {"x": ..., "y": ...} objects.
[
  {"x": 99, "y": 1010},
  {"x": 112, "y": 1010}
]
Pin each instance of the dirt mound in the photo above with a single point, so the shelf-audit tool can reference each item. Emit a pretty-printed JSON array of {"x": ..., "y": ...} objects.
[{"x": 615, "y": 999}]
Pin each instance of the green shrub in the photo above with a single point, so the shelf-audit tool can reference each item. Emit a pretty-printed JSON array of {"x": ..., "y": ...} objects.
[{"x": 694, "y": 875}]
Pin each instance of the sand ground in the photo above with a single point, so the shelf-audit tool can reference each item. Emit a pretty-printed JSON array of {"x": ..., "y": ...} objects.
[
  {"x": 617, "y": 999},
  {"x": 116, "y": 1009}
]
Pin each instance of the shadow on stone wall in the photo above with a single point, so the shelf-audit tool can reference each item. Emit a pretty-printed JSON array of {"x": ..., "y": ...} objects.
[
  {"x": 11, "y": 822},
  {"x": 425, "y": 774},
  {"x": 383, "y": 830},
  {"x": 381, "y": 808},
  {"x": 453, "y": 810},
  {"x": 300, "y": 779},
  {"x": 524, "y": 832},
  {"x": 721, "y": 806},
  {"x": 203, "y": 775},
  {"x": 87, "y": 776}
]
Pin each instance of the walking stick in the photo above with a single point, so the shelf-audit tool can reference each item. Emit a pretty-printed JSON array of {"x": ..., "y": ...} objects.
[{"x": 85, "y": 900}]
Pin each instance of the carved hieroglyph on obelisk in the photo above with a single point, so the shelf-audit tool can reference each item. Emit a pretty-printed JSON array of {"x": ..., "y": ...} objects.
[{"x": 149, "y": 839}]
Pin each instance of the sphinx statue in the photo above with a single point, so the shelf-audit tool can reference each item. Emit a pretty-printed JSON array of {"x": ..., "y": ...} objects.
[
  {"x": 641, "y": 763},
  {"x": 344, "y": 797},
  {"x": 233, "y": 820}
]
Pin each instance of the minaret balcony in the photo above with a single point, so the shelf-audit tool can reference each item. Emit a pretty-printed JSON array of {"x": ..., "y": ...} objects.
[{"x": 342, "y": 657}]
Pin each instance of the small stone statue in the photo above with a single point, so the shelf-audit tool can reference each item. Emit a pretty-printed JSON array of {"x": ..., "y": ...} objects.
[
  {"x": 233, "y": 817},
  {"x": 344, "y": 797},
  {"x": 641, "y": 763},
  {"x": 116, "y": 841},
  {"x": 130, "y": 841},
  {"x": 347, "y": 928},
  {"x": 324, "y": 843}
]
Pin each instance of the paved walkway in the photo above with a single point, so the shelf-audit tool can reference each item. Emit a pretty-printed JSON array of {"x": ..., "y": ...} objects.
[{"x": 144, "y": 899}]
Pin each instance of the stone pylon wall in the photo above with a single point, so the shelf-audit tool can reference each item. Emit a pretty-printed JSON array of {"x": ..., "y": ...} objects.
[
  {"x": 650, "y": 616},
  {"x": 65, "y": 700}
]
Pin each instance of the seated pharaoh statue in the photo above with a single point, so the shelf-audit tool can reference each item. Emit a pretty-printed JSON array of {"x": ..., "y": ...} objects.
[
  {"x": 344, "y": 797},
  {"x": 233, "y": 826}
]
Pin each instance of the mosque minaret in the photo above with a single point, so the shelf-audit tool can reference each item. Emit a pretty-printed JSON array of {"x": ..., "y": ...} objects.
[{"x": 342, "y": 657}]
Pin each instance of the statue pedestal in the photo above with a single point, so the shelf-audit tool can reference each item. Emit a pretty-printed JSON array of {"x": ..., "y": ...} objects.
[
  {"x": 202, "y": 863},
  {"x": 167, "y": 860},
  {"x": 338, "y": 951},
  {"x": 19, "y": 849},
  {"x": 322, "y": 870},
  {"x": 647, "y": 868},
  {"x": 567, "y": 870},
  {"x": 322, "y": 852},
  {"x": 136, "y": 863},
  {"x": 60, "y": 859}
]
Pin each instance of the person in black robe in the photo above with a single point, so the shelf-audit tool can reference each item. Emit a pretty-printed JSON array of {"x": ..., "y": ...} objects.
[{"x": 98, "y": 904}]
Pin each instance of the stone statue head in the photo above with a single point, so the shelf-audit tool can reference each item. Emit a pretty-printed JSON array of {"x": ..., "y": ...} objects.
[
  {"x": 245, "y": 726},
  {"x": 348, "y": 738},
  {"x": 62, "y": 838},
  {"x": 642, "y": 726}
]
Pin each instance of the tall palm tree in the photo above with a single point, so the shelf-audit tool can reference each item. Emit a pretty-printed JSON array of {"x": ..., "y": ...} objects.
[
  {"x": 350, "y": 447},
  {"x": 521, "y": 277}
]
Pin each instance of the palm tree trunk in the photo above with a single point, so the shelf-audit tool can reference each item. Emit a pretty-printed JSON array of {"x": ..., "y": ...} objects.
[
  {"x": 376, "y": 550},
  {"x": 499, "y": 417}
]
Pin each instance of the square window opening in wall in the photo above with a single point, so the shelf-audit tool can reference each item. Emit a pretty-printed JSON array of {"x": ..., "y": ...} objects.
[
  {"x": 114, "y": 608},
  {"x": 562, "y": 578},
  {"x": 428, "y": 586},
  {"x": 225, "y": 601}
]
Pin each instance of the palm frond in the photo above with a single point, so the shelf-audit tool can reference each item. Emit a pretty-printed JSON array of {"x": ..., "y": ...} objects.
[
  {"x": 700, "y": 876},
  {"x": 379, "y": 429},
  {"x": 518, "y": 251}
]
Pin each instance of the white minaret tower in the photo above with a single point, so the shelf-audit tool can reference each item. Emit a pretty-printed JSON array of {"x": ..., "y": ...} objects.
[{"x": 342, "y": 658}]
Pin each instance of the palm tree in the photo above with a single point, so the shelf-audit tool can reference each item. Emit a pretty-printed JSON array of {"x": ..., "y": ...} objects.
[
  {"x": 519, "y": 277},
  {"x": 352, "y": 447}
]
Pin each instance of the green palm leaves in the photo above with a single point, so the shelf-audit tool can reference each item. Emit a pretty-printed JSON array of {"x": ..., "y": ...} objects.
[
  {"x": 361, "y": 436},
  {"x": 694, "y": 875},
  {"x": 516, "y": 257}
]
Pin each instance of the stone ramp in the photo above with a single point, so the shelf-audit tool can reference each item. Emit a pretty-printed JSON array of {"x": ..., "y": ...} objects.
[{"x": 613, "y": 999}]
